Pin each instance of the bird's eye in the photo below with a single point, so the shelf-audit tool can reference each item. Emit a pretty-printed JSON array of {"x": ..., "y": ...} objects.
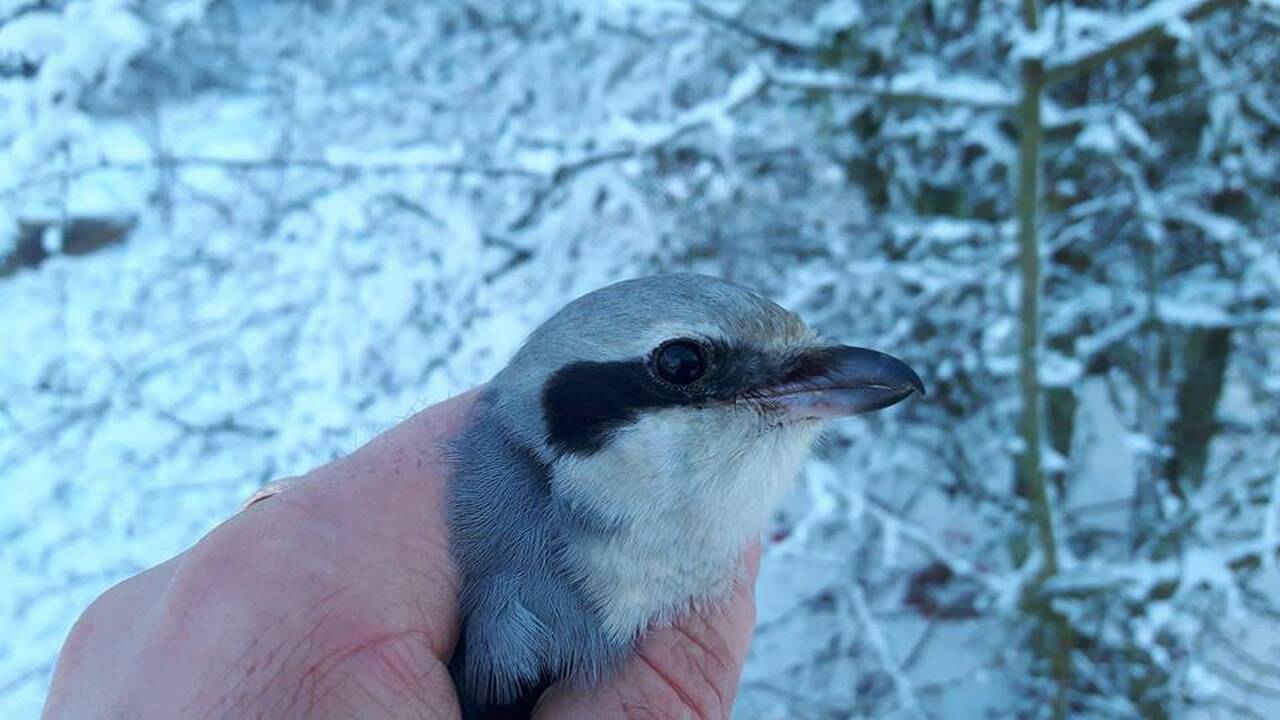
[{"x": 680, "y": 362}]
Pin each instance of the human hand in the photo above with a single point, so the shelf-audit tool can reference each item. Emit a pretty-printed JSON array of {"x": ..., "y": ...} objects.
[{"x": 337, "y": 599}]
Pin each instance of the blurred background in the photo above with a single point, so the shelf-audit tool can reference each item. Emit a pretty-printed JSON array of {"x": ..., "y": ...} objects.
[{"x": 239, "y": 238}]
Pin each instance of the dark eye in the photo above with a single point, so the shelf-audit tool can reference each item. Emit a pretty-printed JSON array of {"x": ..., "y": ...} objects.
[{"x": 680, "y": 362}]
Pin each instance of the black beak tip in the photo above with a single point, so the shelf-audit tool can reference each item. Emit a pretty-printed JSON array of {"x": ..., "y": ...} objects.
[
  {"x": 887, "y": 369},
  {"x": 916, "y": 383}
]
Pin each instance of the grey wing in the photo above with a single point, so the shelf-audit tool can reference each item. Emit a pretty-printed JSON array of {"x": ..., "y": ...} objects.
[
  {"x": 498, "y": 666},
  {"x": 524, "y": 623}
]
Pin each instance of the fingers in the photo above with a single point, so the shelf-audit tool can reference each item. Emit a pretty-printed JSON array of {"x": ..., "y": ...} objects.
[
  {"x": 688, "y": 670},
  {"x": 332, "y": 587}
]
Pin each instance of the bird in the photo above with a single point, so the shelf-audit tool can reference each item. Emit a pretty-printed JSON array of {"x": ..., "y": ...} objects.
[{"x": 613, "y": 472}]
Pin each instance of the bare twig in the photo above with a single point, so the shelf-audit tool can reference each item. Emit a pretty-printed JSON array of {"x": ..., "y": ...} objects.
[
  {"x": 227, "y": 425},
  {"x": 761, "y": 37},
  {"x": 875, "y": 636},
  {"x": 1242, "y": 657},
  {"x": 1241, "y": 682}
]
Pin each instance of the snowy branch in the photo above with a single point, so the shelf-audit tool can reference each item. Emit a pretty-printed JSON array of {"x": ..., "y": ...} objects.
[
  {"x": 1205, "y": 563},
  {"x": 918, "y": 87},
  {"x": 875, "y": 636},
  {"x": 249, "y": 164},
  {"x": 922, "y": 539},
  {"x": 628, "y": 139},
  {"x": 1158, "y": 20}
]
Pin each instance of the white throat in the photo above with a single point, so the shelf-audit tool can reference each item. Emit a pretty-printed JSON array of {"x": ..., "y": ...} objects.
[{"x": 687, "y": 500}]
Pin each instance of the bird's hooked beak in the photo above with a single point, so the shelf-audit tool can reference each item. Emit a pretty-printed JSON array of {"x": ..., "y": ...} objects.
[{"x": 839, "y": 381}]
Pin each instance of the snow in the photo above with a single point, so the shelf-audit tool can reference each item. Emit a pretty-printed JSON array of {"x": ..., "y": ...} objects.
[
  {"x": 424, "y": 155},
  {"x": 1058, "y": 370},
  {"x": 924, "y": 84},
  {"x": 1169, "y": 16},
  {"x": 32, "y": 36},
  {"x": 1271, "y": 522},
  {"x": 340, "y": 216},
  {"x": 875, "y": 635},
  {"x": 837, "y": 15},
  {"x": 1193, "y": 312}
]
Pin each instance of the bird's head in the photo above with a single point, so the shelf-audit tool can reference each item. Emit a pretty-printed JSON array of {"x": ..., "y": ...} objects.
[{"x": 645, "y": 393}]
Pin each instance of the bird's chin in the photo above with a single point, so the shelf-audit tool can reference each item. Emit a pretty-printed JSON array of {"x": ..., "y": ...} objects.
[{"x": 778, "y": 419}]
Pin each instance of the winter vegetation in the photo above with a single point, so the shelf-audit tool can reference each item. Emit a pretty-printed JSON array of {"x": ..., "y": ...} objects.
[{"x": 239, "y": 238}]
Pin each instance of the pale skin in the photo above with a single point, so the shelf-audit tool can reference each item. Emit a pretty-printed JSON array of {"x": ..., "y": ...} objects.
[{"x": 335, "y": 598}]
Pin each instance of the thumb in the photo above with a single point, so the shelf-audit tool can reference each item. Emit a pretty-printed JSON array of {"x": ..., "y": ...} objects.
[{"x": 689, "y": 669}]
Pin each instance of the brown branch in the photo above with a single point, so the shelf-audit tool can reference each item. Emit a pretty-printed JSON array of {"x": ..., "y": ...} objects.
[{"x": 1030, "y": 134}]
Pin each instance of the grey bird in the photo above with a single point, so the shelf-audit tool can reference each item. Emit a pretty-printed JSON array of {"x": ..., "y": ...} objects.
[{"x": 614, "y": 471}]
